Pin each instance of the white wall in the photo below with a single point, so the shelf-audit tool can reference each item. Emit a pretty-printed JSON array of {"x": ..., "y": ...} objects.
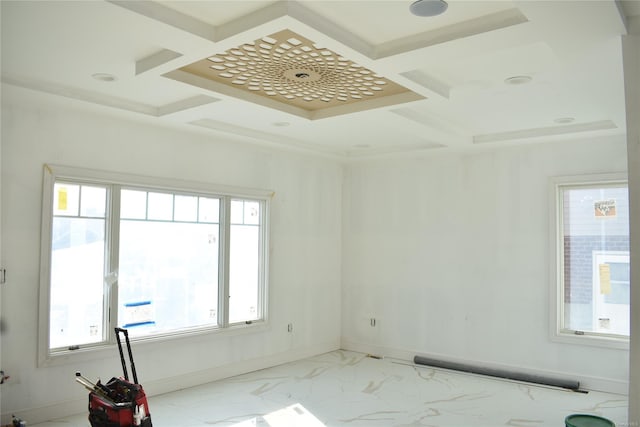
[
  {"x": 305, "y": 248},
  {"x": 450, "y": 254},
  {"x": 631, "y": 50}
]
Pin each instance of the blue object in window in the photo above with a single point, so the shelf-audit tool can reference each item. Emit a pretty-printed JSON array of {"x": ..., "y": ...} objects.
[
  {"x": 137, "y": 304},
  {"x": 133, "y": 325}
]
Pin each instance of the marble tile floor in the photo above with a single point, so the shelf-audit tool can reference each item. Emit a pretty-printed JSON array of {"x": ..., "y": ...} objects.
[{"x": 344, "y": 388}]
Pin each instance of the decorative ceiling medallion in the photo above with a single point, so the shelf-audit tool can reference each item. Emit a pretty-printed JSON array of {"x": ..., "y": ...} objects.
[{"x": 290, "y": 70}]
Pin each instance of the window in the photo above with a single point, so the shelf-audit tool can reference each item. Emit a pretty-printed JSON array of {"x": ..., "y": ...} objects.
[
  {"x": 154, "y": 257},
  {"x": 592, "y": 258}
]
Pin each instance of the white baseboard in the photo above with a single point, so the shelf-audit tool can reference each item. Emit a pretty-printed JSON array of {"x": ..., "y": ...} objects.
[
  {"x": 165, "y": 385},
  {"x": 586, "y": 382}
]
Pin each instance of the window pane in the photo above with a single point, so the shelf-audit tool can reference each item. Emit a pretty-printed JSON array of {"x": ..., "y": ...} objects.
[
  {"x": 160, "y": 206},
  {"x": 237, "y": 212},
  {"x": 168, "y": 276},
  {"x": 596, "y": 268},
  {"x": 66, "y": 199},
  {"x": 77, "y": 277},
  {"x": 133, "y": 204},
  {"x": 186, "y": 208},
  {"x": 209, "y": 210},
  {"x": 94, "y": 200},
  {"x": 251, "y": 213},
  {"x": 244, "y": 268}
]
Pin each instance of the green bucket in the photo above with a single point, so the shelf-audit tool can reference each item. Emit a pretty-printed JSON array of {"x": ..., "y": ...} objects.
[{"x": 583, "y": 420}]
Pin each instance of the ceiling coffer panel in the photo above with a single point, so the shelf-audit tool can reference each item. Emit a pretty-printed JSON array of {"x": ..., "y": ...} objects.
[{"x": 285, "y": 70}]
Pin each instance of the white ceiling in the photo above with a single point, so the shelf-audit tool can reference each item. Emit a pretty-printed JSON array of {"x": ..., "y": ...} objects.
[{"x": 458, "y": 61}]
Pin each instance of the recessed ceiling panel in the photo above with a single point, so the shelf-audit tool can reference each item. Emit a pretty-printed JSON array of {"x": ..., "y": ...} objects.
[{"x": 289, "y": 70}]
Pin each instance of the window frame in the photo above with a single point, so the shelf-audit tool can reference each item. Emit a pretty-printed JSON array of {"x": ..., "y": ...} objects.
[
  {"x": 52, "y": 173},
  {"x": 557, "y": 331}
]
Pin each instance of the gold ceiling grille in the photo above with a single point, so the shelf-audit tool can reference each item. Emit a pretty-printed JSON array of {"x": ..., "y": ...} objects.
[{"x": 289, "y": 69}]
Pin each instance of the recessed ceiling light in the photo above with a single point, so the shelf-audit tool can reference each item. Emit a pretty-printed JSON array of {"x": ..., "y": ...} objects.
[
  {"x": 281, "y": 124},
  {"x": 564, "y": 120},
  {"x": 104, "y": 77},
  {"x": 428, "y": 7},
  {"x": 518, "y": 80}
]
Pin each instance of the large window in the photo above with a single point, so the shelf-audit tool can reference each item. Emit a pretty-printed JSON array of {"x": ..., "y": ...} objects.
[
  {"x": 592, "y": 257},
  {"x": 157, "y": 258}
]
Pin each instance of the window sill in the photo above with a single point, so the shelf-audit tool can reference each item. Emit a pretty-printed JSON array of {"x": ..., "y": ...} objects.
[
  {"x": 594, "y": 340},
  {"x": 109, "y": 350}
]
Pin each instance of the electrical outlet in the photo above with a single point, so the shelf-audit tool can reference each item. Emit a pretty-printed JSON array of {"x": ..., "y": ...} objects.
[{"x": 290, "y": 327}]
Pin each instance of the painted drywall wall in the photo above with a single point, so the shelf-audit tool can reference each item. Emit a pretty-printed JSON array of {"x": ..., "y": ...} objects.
[
  {"x": 450, "y": 255},
  {"x": 631, "y": 51},
  {"x": 304, "y": 248}
]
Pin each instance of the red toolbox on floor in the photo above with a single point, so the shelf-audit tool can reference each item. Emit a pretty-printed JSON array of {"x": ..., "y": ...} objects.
[{"x": 119, "y": 402}]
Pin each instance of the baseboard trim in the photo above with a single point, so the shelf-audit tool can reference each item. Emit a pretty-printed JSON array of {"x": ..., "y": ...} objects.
[
  {"x": 406, "y": 355},
  {"x": 174, "y": 383}
]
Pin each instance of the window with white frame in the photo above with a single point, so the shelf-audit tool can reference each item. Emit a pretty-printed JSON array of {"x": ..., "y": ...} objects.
[
  {"x": 592, "y": 257},
  {"x": 152, "y": 256}
]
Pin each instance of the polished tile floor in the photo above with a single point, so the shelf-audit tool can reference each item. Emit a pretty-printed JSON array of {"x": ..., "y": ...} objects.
[{"x": 344, "y": 388}]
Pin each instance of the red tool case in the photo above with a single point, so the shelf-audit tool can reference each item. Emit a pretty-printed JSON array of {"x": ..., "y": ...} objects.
[{"x": 119, "y": 402}]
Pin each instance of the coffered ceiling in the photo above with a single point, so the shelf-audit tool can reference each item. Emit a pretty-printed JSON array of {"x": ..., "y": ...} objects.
[{"x": 347, "y": 79}]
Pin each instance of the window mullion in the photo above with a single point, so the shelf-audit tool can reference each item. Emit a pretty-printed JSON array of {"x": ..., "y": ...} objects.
[
  {"x": 224, "y": 260},
  {"x": 263, "y": 261},
  {"x": 111, "y": 274},
  {"x": 559, "y": 239}
]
